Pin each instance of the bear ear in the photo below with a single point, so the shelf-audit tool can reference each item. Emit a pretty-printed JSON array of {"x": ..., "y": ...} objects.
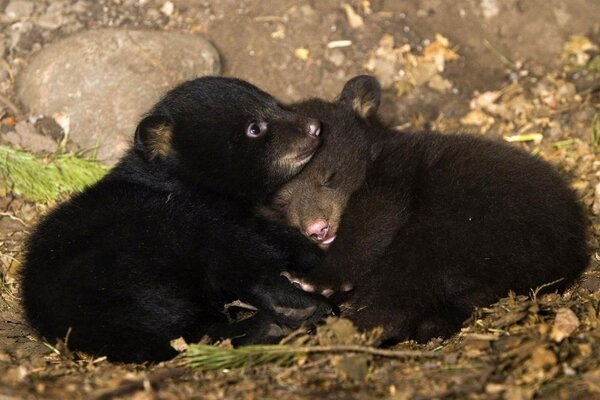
[
  {"x": 153, "y": 136},
  {"x": 363, "y": 94}
]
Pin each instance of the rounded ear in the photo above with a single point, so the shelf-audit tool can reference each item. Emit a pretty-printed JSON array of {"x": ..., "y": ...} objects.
[
  {"x": 153, "y": 136},
  {"x": 363, "y": 94}
]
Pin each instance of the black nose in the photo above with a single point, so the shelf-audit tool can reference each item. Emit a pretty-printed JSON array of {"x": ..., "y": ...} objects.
[{"x": 314, "y": 128}]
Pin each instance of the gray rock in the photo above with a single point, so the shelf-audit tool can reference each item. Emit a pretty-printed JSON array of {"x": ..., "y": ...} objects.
[
  {"x": 16, "y": 10},
  {"x": 104, "y": 80}
]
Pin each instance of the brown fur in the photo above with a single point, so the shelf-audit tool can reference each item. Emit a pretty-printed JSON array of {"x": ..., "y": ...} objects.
[{"x": 159, "y": 141}]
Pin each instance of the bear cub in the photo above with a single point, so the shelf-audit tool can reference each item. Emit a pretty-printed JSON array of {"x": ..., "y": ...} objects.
[
  {"x": 422, "y": 227},
  {"x": 158, "y": 247}
]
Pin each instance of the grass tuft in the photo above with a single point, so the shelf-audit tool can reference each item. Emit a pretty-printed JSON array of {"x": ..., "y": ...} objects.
[
  {"x": 206, "y": 357},
  {"x": 43, "y": 178}
]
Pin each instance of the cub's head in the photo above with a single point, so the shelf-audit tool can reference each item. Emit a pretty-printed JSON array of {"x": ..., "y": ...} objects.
[
  {"x": 227, "y": 135},
  {"x": 314, "y": 200}
]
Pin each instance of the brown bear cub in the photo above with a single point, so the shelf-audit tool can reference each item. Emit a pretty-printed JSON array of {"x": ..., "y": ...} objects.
[
  {"x": 421, "y": 228},
  {"x": 158, "y": 247}
]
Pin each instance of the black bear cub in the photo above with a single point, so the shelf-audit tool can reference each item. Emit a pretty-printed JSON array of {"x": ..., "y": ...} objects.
[
  {"x": 155, "y": 249},
  {"x": 421, "y": 228}
]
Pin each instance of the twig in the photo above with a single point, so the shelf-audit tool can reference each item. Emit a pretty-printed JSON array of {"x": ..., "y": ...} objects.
[
  {"x": 11, "y": 106},
  {"x": 128, "y": 386},
  {"x": 13, "y": 217},
  {"x": 361, "y": 349}
]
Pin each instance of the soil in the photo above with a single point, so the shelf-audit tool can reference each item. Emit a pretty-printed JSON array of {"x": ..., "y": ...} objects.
[{"x": 519, "y": 75}]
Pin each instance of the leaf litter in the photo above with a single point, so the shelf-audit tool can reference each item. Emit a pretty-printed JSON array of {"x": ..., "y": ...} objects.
[{"x": 522, "y": 347}]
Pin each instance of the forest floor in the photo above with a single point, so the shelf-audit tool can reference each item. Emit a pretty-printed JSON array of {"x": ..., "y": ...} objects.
[{"x": 527, "y": 72}]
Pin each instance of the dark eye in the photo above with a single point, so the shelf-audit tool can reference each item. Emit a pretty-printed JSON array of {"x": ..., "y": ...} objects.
[{"x": 256, "y": 129}]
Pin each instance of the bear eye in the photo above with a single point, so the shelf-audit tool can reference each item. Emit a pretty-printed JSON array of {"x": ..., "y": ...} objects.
[{"x": 256, "y": 129}]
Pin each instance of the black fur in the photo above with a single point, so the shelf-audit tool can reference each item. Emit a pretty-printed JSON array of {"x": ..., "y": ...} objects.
[
  {"x": 441, "y": 223},
  {"x": 155, "y": 249}
]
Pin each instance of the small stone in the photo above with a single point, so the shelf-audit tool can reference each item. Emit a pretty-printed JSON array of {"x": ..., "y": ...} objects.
[
  {"x": 104, "y": 80},
  {"x": 17, "y": 10},
  {"x": 47, "y": 126}
]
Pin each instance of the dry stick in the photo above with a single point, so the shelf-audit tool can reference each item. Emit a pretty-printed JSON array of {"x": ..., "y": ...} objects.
[
  {"x": 127, "y": 387},
  {"x": 204, "y": 357},
  {"x": 12, "y": 107},
  {"x": 359, "y": 349}
]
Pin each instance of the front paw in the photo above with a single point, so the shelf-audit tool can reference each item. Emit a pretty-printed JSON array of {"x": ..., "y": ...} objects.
[
  {"x": 314, "y": 309},
  {"x": 324, "y": 289}
]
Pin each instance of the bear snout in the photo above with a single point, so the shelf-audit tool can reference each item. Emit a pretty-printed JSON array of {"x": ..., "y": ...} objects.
[
  {"x": 320, "y": 232},
  {"x": 317, "y": 230}
]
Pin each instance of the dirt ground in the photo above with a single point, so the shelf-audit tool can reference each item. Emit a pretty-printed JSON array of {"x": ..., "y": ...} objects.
[{"x": 522, "y": 71}]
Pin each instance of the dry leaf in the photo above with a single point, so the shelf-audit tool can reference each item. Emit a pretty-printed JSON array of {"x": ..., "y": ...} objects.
[
  {"x": 440, "y": 84},
  {"x": 477, "y": 118},
  {"x": 355, "y": 20},
  {"x": 179, "y": 344},
  {"x": 577, "y": 47},
  {"x": 483, "y": 100},
  {"x": 543, "y": 358},
  {"x": 302, "y": 53},
  {"x": 565, "y": 324}
]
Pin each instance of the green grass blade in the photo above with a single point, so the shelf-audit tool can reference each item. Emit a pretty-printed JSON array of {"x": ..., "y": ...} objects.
[{"x": 43, "y": 178}]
